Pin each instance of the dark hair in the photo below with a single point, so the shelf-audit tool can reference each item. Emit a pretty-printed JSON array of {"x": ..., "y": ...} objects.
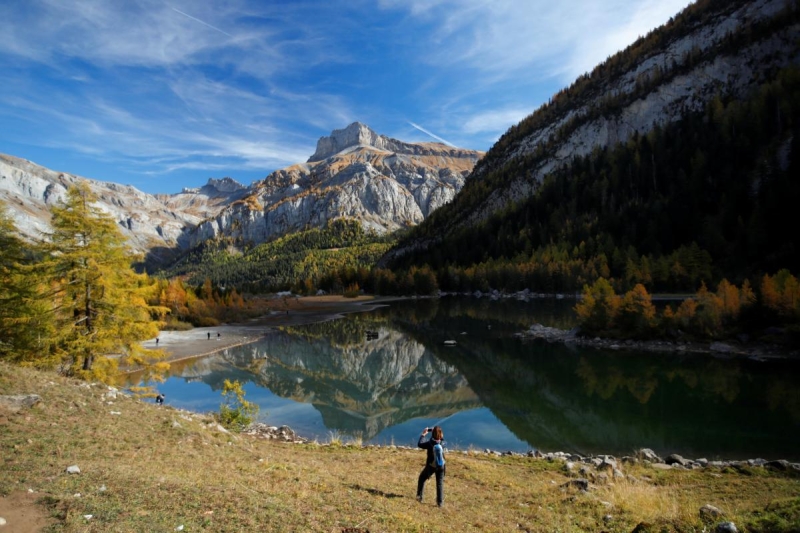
[{"x": 438, "y": 434}]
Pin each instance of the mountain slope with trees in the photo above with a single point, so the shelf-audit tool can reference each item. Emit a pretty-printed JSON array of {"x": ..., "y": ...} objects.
[{"x": 603, "y": 182}]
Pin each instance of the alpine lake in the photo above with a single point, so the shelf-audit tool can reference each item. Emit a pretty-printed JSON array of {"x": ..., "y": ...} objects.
[{"x": 381, "y": 376}]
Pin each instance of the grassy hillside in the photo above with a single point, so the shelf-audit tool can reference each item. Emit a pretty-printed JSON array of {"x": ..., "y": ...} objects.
[{"x": 150, "y": 468}]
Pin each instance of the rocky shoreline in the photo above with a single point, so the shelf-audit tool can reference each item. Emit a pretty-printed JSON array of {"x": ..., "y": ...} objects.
[
  {"x": 597, "y": 468},
  {"x": 756, "y": 351}
]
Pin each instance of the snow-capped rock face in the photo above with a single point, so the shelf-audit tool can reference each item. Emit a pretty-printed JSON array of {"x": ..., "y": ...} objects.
[{"x": 384, "y": 183}]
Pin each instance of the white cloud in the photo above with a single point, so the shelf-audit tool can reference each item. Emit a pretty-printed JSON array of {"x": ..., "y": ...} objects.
[
  {"x": 495, "y": 120},
  {"x": 506, "y": 39}
]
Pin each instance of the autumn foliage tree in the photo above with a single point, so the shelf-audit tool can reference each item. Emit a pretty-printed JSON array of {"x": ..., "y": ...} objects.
[
  {"x": 99, "y": 304},
  {"x": 25, "y": 325},
  {"x": 597, "y": 310}
]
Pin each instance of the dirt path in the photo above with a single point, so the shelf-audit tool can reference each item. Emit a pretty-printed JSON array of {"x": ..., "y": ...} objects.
[{"x": 19, "y": 513}]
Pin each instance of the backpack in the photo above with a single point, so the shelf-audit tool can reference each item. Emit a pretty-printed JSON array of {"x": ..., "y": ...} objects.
[{"x": 438, "y": 455}]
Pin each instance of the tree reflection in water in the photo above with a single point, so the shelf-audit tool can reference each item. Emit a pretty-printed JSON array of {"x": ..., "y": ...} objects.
[{"x": 380, "y": 374}]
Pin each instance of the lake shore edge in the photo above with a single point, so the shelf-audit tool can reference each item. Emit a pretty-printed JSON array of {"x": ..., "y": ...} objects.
[{"x": 717, "y": 348}]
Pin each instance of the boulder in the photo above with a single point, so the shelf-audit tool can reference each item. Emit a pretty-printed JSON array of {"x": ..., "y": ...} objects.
[
  {"x": 709, "y": 513},
  {"x": 646, "y": 454},
  {"x": 676, "y": 459},
  {"x": 15, "y": 403},
  {"x": 580, "y": 484}
]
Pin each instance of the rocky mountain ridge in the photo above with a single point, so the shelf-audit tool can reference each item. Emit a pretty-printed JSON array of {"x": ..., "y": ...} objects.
[
  {"x": 355, "y": 173},
  {"x": 712, "y": 49},
  {"x": 29, "y": 190}
]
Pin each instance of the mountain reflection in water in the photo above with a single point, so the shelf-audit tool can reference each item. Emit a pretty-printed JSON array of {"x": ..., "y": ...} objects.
[{"x": 381, "y": 376}]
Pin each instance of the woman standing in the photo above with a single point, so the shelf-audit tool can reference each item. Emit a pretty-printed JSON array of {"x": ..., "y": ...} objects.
[{"x": 434, "y": 463}]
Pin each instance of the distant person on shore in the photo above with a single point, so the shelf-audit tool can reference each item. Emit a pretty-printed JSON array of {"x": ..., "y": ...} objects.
[
  {"x": 217, "y": 335},
  {"x": 209, "y": 335},
  {"x": 160, "y": 399},
  {"x": 434, "y": 463},
  {"x": 156, "y": 341}
]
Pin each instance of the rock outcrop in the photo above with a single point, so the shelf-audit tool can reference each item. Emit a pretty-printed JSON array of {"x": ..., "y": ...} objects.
[
  {"x": 355, "y": 173},
  {"x": 728, "y": 50},
  {"x": 148, "y": 221},
  {"x": 384, "y": 183}
]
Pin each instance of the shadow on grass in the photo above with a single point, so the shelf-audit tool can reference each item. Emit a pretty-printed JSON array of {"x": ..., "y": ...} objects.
[{"x": 376, "y": 492}]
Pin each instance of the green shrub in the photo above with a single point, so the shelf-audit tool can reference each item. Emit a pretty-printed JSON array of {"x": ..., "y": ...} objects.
[{"x": 235, "y": 413}]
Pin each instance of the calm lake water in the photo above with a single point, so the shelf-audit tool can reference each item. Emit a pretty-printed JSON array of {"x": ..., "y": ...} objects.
[{"x": 384, "y": 375}]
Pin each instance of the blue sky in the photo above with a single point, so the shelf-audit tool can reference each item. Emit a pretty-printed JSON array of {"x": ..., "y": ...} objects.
[{"x": 162, "y": 95}]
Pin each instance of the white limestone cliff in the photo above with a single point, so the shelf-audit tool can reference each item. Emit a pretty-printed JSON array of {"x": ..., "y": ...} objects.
[{"x": 384, "y": 183}]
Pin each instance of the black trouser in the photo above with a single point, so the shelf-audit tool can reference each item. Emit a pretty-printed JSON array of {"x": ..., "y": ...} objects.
[{"x": 426, "y": 473}]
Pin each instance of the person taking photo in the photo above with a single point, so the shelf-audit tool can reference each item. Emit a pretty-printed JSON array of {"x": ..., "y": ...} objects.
[{"x": 434, "y": 463}]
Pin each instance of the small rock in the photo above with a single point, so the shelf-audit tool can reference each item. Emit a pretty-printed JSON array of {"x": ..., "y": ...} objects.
[
  {"x": 649, "y": 455},
  {"x": 726, "y": 527},
  {"x": 73, "y": 469},
  {"x": 709, "y": 513},
  {"x": 15, "y": 403},
  {"x": 2, "y": 521},
  {"x": 580, "y": 484},
  {"x": 780, "y": 464},
  {"x": 676, "y": 459},
  {"x": 720, "y": 347},
  {"x": 608, "y": 462}
]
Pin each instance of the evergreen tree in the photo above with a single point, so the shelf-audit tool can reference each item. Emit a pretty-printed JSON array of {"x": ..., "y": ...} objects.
[{"x": 100, "y": 302}]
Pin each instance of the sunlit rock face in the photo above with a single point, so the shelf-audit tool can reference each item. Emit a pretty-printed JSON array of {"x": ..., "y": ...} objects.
[
  {"x": 147, "y": 221},
  {"x": 355, "y": 173},
  {"x": 727, "y": 52},
  {"x": 684, "y": 84}
]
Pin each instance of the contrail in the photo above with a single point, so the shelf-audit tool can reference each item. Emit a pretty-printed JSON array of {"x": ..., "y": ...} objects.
[
  {"x": 201, "y": 22},
  {"x": 423, "y": 130}
]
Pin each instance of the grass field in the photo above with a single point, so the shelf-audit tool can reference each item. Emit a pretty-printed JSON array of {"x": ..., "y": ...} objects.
[{"x": 145, "y": 468}]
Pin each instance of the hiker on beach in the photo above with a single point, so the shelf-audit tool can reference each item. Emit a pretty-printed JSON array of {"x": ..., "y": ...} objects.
[
  {"x": 209, "y": 335},
  {"x": 434, "y": 463}
]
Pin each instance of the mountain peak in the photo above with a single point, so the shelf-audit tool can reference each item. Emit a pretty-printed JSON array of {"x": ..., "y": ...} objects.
[{"x": 355, "y": 134}]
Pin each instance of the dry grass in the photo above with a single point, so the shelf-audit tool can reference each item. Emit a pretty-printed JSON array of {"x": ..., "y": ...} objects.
[{"x": 154, "y": 468}]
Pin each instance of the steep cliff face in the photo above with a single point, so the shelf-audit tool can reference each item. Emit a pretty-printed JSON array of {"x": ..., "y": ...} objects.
[
  {"x": 148, "y": 221},
  {"x": 354, "y": 173},
  {"x": 713, "y": 48},
  {"x": 29, "y": 190}
]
